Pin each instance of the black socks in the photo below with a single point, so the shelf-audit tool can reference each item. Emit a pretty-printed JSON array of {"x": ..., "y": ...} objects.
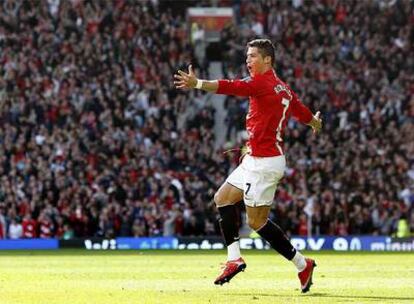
[
  {"x": 272, "y": 233},
  {"x": 229, "y": 223}
]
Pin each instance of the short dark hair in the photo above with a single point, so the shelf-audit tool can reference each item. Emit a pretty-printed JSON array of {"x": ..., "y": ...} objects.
[{"x": 265, "y": 48}]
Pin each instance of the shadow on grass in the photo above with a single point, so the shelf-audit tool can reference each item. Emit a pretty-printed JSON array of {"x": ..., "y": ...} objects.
[{"x": 326, "y": 295}]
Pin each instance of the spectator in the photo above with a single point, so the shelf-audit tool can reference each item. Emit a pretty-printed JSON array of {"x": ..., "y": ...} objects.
[
  {"x": 15, "y": 229},
  {"x": 2, "y": 224},
  {"x": 29, "y": 226},
  {"x": 96, "y": 142}
]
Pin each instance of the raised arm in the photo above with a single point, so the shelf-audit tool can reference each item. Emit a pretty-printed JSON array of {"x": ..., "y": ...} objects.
[
  {"x": 189, "y": 80},
  {"x": 236, "y": 87}
]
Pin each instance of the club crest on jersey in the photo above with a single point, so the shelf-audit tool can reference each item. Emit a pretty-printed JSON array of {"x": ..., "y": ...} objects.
[{"x": 281, "y": 88}]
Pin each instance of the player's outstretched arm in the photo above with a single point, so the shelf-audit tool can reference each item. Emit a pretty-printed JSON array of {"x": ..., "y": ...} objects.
[
  {"x": 183, "y": 80},
  {"x": 316, "y": 123}
]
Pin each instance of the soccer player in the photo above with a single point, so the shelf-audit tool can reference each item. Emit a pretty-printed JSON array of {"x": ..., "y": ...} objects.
[{"x": 272, "y": 102}]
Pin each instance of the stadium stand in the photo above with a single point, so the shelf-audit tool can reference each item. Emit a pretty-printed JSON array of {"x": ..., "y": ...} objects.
[{"x": 95, "y": 141}]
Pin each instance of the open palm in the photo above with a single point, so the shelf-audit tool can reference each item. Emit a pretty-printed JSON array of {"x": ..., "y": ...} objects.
[{"x": 185, "y": 80}]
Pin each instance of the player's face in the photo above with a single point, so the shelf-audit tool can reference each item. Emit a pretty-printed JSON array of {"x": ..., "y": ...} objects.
[{"x": 255, "y": 62}]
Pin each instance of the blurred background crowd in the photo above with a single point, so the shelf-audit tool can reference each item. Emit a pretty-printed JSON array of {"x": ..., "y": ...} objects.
[{"x": 95, "y": 141}]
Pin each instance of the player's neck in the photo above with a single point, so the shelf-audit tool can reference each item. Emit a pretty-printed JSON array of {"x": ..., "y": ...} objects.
[{"x": 264, "y": 70}]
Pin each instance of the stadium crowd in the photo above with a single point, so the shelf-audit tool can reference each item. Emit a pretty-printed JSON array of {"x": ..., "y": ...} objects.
[{"x": 94, "y": 140}]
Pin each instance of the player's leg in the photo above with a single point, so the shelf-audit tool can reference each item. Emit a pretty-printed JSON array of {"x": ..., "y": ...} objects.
[
  {"x": 258, "y": 219},
  {"x": 226, "y": 197},
  {"x": 262, "y": 176}
]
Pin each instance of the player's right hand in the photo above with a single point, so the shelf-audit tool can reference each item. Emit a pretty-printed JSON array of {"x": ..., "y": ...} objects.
[{"x": 185, "y": 80}]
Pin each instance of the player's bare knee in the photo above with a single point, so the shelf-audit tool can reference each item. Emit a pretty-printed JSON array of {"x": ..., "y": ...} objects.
[
  {"x": 218, "y": 199},
  {"x": 255, "y": 223}
]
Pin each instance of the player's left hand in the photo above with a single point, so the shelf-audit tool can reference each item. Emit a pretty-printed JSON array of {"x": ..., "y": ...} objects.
[
  {"x": 316, "y": 123},
  {"x": 185, "y": 80}
]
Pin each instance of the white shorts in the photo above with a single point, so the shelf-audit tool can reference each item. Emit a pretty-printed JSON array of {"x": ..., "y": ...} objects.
[{"x": 258, "y": 178}]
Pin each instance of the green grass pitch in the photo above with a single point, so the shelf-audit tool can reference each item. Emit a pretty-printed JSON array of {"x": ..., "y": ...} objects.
[{"x": 71, "y": 276}]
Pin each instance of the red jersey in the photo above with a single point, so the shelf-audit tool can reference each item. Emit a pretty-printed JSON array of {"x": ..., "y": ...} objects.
[
  {"x": 45, "y": 229},
  {"x": 2, "y": 233},
  {"x": 29, "y": 228},
  {"x": 272, "y": 102}
]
